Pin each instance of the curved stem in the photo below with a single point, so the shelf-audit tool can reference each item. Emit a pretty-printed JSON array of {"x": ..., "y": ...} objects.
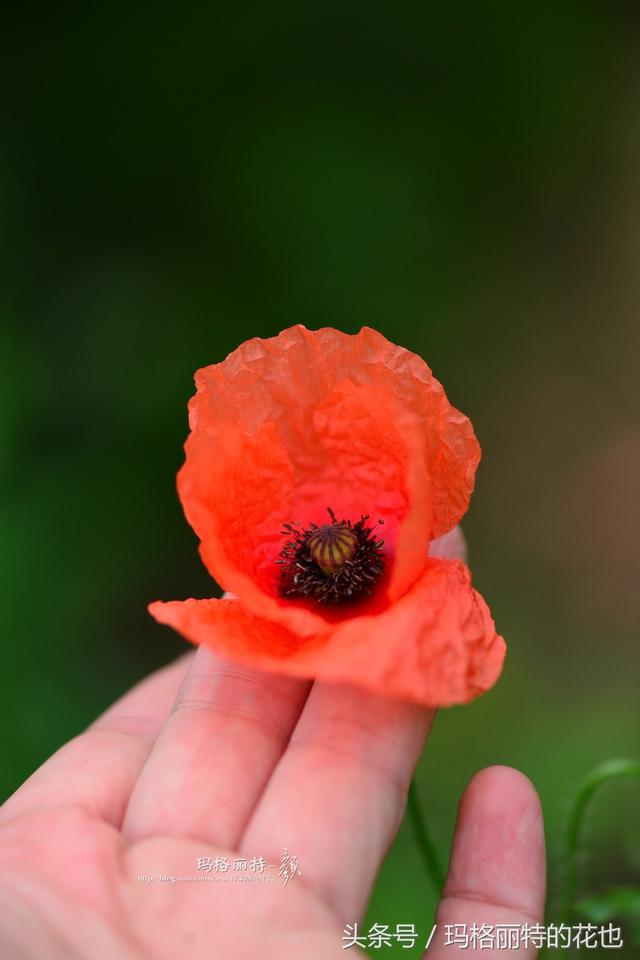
[
  {"x": 607, "y": 771},
  {"x": 425, "y": 842}
]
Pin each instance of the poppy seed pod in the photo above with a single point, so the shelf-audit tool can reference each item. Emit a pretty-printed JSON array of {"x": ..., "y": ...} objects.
[{"x": 331, "y": 545}]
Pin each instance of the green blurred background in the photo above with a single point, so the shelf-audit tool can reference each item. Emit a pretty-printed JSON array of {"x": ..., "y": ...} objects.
[{"x": 463, "y": 177}]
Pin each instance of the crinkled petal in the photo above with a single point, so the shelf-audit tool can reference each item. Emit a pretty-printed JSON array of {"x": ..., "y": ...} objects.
[
  {"x": 286, "y": 427},
  {"x": 437, "y": 645}
]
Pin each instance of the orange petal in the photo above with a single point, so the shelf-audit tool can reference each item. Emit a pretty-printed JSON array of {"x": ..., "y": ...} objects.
[
  {"x": 437, "y": 645},
  {"x": 285, "y": 427}
]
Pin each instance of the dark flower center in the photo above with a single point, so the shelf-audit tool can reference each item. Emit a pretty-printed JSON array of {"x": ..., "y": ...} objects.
[{"x": 331, "y": 562}]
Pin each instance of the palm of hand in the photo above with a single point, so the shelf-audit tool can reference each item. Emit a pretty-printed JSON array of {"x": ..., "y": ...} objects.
[{"x": 72, "y": 889}]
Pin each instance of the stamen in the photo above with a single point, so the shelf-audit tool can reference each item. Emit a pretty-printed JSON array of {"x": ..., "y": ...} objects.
[{"x": 331, "y": 562}]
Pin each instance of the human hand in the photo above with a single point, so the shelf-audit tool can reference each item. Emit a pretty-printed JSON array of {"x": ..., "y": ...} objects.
[
  {"x": 209, "y": 759},
  {"x": 244, "y": 765}
]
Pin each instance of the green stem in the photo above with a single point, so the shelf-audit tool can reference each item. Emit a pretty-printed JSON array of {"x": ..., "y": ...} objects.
[
  {"x": 423, "y": 837},
  {"x": 607, "y": 771}
]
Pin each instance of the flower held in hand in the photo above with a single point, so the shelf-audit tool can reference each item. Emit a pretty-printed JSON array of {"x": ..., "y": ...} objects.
[{"x": 319, "y": 468}]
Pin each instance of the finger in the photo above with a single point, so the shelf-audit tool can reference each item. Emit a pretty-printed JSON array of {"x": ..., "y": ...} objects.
[
  {"x": 338, "y": 794},
  {"x": 98, "y": 768},
  {"x": 340, "y": 789},
  {"x": 450, "y": 546},
  {"x": 497, "y": 870},
  {"x": 228, "y": 729}
]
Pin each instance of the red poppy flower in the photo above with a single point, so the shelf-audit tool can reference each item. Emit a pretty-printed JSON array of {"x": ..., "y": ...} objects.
[{"x": 319, "y": 468}]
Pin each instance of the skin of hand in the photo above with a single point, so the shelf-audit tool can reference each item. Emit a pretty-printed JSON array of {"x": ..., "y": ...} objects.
[{"x": 206, "y": 758}]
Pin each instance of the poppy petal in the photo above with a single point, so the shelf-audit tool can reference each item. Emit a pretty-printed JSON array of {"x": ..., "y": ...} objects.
[
  {"x": 436, "y": 645},
  {"x": 285, "y": 427}
]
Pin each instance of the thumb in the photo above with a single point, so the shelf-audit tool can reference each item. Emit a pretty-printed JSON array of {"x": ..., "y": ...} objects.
[{"x": 497, "y": 870}]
